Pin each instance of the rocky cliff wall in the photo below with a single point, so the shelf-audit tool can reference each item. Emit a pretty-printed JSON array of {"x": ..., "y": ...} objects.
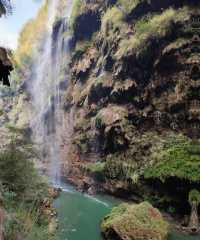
[
  {"x": 135, "y": 89},
  {"x": 132, "y": 101}
]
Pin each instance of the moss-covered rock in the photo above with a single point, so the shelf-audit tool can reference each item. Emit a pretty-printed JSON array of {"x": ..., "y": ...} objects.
[{"x": 135, "y": 222}]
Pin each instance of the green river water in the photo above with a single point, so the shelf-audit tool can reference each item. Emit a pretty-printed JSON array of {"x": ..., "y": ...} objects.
[{"x": 80, "y": 215}]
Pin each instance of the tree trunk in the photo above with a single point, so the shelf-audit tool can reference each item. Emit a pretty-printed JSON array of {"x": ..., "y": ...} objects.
[
  {"x": 194, "y": 220},
  {"x": 2, "y": 218}
]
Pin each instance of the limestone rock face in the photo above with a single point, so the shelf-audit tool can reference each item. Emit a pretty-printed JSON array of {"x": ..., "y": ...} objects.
[
  {"x": 135, "y": 222},
  {"x": 135, "y": 81},
  {"x": 112, "y": 114}
]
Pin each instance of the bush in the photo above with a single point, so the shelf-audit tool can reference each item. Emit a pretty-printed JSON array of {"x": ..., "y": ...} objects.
[
  {"x": 156, "y": 27},
  {"x": 97, "y": 167},
  {"x": 23, "y": 191},
  {"x": 81, "y": 48},
  {"x": 77, "y": 8},
  {"x": 194, "y": 196},
  {"x": 178, "y": 157},
  {"x": 97, "y": 170},
  {"x": 122, "y": 167},
  {"x": 112, "y": 21},
  {"x": 23, "y": 222},
  {"x": 16, "y": 173}
]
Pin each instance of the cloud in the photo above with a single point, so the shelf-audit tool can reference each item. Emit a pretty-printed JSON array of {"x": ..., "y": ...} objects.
[{"x": 7, "y": 38}]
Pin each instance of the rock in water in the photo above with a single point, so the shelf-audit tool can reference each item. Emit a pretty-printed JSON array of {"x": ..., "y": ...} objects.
[{"x": 135, "y": 222}]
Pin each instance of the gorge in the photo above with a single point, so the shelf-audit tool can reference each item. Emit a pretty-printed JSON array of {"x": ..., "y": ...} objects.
[{"x": 107, "y": 92}]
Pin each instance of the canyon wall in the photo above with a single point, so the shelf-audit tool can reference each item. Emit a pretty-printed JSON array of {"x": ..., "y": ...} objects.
[
  {"x": 131, "y": 104},
  {"x": 134, "y": 91}
]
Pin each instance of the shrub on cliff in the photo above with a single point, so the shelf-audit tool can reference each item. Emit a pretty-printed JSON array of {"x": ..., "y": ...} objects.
[
  {"x": 112, "y": 21},
  {"x": 146, "y": 29},
  {"x": 178, "y": 157},
  {"x": 75, "y": 12},
  {"x": 138, "y": 222},
  {"x": 194, "y": 196},
  {"x": 96, "y": 170},
  {"x": 81, "y": 48}
]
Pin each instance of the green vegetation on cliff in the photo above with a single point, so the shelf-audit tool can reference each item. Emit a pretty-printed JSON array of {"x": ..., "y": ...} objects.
[
  {"x": 148, "y": 29},
  {"x": 139, "y": 114},
  {"x": 112, "y": 21},
  {"x": 194, "y": 196},
  {"x": 178, "y": 157},
  {"x": 77, "y": 6}
]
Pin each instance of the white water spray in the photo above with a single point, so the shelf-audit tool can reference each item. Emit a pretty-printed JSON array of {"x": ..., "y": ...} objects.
[{"x": 51, "y": 62}]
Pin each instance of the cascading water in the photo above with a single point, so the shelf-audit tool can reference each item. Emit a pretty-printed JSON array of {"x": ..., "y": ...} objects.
[{"x": 51, "y": 63}]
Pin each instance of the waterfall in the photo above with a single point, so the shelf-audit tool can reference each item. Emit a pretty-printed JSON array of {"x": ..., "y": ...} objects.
[{"x": 50, "y": 64}]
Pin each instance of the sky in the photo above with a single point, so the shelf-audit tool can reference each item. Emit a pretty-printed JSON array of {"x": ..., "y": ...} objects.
[{"x": 10, "y": 26}]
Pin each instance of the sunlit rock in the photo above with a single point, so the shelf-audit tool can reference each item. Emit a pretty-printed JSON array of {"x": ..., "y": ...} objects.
[{"x": 138, "y": 222}]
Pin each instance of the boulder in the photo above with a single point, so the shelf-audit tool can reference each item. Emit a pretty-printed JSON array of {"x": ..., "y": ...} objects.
[{"x": 135, "y": 222}]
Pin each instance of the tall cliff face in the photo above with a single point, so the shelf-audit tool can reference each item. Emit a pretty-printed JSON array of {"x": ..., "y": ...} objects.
[
  {"x": 134, "y": 91},
  {"x": 132, "y": 102}
]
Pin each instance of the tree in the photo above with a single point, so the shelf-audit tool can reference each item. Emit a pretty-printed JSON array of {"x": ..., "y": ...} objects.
[
  {"x": 5, "y": 66},
  {"x": 5, "y": 7}
]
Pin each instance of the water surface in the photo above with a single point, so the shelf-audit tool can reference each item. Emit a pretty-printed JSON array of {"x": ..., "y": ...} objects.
[
  {"x": 175, "y": 236},
  {"x": 80, "y": 215}
]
